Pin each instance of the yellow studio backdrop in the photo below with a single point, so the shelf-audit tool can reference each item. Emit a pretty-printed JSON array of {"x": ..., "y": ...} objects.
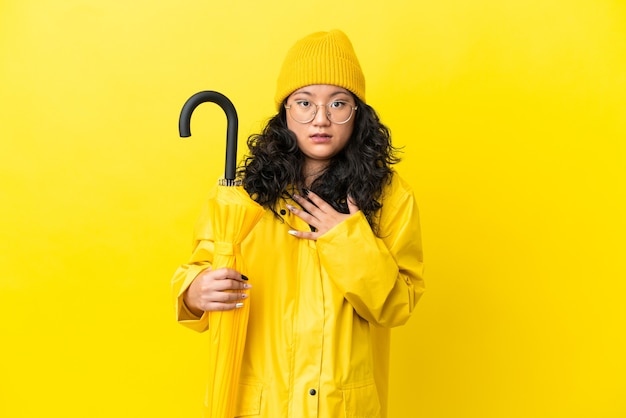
[{"x": 513, "y": 119}]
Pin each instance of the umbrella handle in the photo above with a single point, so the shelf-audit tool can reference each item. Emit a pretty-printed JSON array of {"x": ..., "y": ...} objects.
[{"x": 184, "y": 124}]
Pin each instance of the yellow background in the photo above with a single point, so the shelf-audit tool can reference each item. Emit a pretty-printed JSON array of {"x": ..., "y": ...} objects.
[{"x": 513, "y": 118}]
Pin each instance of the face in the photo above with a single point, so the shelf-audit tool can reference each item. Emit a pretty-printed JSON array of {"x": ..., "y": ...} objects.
[{"x": 320, "y": 139}]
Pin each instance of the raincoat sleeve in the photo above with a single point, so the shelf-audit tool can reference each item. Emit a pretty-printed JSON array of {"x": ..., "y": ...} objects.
[
  {"x": 201, "y": 259},
  {"x": 380, "y": 276}
]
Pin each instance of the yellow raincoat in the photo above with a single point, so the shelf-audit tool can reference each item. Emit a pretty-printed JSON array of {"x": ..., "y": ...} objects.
[{"x": 320, "y": 311}]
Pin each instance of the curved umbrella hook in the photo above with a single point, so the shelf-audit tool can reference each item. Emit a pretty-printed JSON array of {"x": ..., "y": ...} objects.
[{"x": 184, "y": 125}]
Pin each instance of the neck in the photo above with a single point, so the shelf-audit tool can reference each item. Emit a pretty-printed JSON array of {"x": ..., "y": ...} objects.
[{"x": 311, "y": 172}]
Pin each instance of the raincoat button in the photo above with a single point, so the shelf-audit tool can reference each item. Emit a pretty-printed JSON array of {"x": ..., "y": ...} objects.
[
  {"x": 312, "y": 392},
  {"x": 283, "y": 211}
]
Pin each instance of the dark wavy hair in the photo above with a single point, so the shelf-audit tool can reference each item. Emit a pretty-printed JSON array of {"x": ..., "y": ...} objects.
[{"x": 273, "y": 168}]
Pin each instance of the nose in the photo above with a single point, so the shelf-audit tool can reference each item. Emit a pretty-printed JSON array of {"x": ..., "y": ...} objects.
[{"x": 322, "y": 116}]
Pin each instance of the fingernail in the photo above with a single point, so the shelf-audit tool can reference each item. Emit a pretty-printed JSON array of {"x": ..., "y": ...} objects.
[
  {"x": 292, "y": 232},
  {"x": 295, "y": 196},
  {"x": 247, "y": 286},
  {"x": 306, "y": 191},
  {"x": 239, "y": 305},
  {"x": 244, "y": 277},
  {"x": 291, "y": 208},
  {"x": 244, "y": 295}
]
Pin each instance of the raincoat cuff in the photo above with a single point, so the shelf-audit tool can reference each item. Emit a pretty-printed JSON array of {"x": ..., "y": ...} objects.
[
  {"x": 345, "y": 228},
  {"x": 185, "y": 314},
  {"x": 187, "y": 318}
]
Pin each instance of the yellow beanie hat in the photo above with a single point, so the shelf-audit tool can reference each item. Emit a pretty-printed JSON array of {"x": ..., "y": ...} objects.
[{"x": 320, "y": 58}]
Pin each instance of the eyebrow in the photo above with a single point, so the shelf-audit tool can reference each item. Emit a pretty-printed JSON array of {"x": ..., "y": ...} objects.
[{"x": 308, "y": 93}]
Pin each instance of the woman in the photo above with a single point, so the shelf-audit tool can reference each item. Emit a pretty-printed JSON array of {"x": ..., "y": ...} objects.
[{"x": 335, "y": 262}]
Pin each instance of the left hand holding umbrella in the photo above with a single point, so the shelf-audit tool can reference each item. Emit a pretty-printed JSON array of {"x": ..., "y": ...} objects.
[{"x": 217, "y": 290}]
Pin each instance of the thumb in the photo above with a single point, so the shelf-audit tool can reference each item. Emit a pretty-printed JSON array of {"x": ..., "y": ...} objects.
[{"x": 352, "y": 207}]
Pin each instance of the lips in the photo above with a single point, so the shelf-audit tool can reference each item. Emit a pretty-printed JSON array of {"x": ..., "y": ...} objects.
[{"x": 320, "y": 137}]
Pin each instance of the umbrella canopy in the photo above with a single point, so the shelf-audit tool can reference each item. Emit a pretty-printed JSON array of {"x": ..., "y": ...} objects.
[{"x": 233, "y": 215}]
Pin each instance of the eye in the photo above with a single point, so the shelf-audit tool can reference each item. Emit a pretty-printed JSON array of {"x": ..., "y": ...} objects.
[
  {"x": 304, "y": 104},
  {"x": 337, "y": 104}
]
